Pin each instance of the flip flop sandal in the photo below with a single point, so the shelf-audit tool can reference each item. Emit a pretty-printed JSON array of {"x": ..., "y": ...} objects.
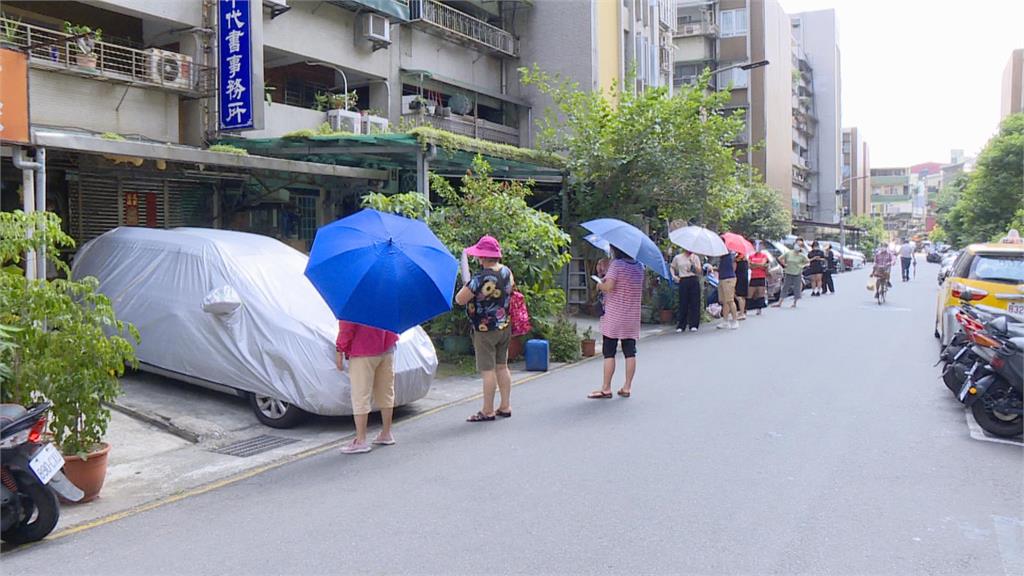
[
  {"x": 503, "y": 414},
  {"x": 624, "y": 393},
  {"x": 599, "y": 395},
  {"x": 480, "y": 417}
]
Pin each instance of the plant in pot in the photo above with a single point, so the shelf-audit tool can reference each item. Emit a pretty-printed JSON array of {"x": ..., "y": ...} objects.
[
  {"x": 11, "y": 35},
  {"x": 588, "y": 344},
  {"x": 666, "y": 301},
  {"x": 68, "y": 347},
  {"x": 85, "y": 40}
]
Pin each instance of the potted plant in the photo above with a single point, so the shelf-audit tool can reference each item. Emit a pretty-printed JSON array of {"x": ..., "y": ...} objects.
[
  {"x": 10, "y": 31},
  {"x": 68, "y": 347},
  {"x": 666, "y": 302},
  {"x": 588, "y": 344},
  {"x": 321, "y": 100},
  {"x": 85, "y": 40}
]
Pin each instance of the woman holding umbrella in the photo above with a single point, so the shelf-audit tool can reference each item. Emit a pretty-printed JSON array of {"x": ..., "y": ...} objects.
[
  {"x": 623, "y": 289},
  {"x": 486, "y": 297}
]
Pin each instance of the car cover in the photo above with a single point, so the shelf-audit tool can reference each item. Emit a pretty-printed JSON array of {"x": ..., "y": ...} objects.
[{"x": 236, "y": 309}]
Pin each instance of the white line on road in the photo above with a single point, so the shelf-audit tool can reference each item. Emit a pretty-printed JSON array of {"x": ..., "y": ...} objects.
[
  {"x": 978, "y": 434},
  {"x": 884, "y": 308}
]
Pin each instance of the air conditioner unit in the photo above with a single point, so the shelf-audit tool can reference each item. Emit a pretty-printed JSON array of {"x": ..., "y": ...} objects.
[
  {"x": 169, "y": 68},
  {"x": 376, "y": 29},
  {"x": 345, "y": 121}
]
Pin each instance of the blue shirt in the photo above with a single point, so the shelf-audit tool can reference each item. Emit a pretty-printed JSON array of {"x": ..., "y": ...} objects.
[{"x": 726, "y": 267}]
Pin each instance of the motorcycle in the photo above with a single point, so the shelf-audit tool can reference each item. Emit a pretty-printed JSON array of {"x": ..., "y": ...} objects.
[
  {"x": 30, "y": 476},
  {"x": 994, "y": 387}
]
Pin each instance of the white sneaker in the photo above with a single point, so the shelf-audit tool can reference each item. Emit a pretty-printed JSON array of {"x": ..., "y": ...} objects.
[
  {"x": 724, "y": 324},
  {"x": 679, "y": 330},
  {"x": 693, "y": 329},
  {"x": 734, "y": 325}
]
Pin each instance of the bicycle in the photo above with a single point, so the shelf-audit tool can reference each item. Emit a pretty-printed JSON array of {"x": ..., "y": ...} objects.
[{"x": 881, "y": 287}]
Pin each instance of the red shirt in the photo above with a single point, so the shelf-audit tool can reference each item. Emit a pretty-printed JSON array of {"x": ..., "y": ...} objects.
[
  {"x": 357, "y": 340},
  {"x": 758, "y": 258}
]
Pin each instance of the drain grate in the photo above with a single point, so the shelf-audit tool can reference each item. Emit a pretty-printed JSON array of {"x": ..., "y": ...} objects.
[{"x": 255, "y": 445}]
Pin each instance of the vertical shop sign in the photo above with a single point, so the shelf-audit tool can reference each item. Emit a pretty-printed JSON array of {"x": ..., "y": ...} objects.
[{"x": 234, "y": 75}]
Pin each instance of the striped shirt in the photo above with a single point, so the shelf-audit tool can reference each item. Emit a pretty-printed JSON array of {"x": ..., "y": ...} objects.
[{"x": 622, "y": 305}]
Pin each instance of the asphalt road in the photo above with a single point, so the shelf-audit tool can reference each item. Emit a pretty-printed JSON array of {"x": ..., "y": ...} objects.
[{"x": 812, "y": 441}]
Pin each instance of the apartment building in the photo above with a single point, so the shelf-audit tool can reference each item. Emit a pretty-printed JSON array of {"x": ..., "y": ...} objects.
[
  {"x": 1012, "y": 95},
  {"x": 856, "y": 173},
  {"x": 126, "y": 117},
  {"x": 899, "y": 196},
  {"x": 793, "y": 112},
  {"x": 817, "y": 111}
]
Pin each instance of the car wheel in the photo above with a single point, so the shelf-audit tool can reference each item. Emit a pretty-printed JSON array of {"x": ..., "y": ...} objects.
[{"x": 275, "y": 413}]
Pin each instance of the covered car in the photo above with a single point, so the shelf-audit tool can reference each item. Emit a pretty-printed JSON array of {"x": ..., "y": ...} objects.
[{"x": 234, "y": 310}]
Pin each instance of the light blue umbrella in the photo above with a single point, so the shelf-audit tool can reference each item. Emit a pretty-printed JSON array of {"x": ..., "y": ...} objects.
[
  {"x": 598, "y": 242},
  {"x": 630, "y": 240}
]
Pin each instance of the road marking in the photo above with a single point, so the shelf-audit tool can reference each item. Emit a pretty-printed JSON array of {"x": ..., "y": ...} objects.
[
  {"x": 1009, "y": 537},
  {"x": 885, "y": 307},
  {"x": 978, "y": 434}
]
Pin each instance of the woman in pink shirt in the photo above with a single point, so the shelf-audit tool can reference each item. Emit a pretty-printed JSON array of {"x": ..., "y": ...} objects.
[
  {"x": 623, "y": 291},
  {"x": 370, "y": 352}
]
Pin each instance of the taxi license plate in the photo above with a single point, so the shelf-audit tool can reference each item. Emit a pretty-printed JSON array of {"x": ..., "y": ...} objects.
[
  {"x": 1016, "y": 308},
  {"x": 46, "y": 463}
]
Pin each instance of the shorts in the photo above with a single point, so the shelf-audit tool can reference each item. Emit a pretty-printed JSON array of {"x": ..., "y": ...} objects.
[
  {"x": 610, "y": 345},
  {"x": 491, "y": 349},
  {"x": 372, "y": 378},
  {"x": 792, "y": 284},
  {"x": 727, "y": 290}
]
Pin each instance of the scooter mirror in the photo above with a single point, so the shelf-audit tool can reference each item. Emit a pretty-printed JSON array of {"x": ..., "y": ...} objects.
[{"x": 998, "y": 324}]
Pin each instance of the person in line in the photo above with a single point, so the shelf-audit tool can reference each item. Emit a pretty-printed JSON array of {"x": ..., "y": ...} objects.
[
  {"x": 623, "y": 288},
  {"x": 727, "y": 292},
  {"x": 486, "y": 297},
  {"x": 742, "y": 285},
  {"x": 758, "y": 296},
  {"x": 793, "y": 263},
  {"x": 817, "y": 265},
  {"x": 685, "y": 270},
  {"x": 831, "y": 267},
  {"x": 370, "y": 352},
  {"x": 907, "y": 250}
]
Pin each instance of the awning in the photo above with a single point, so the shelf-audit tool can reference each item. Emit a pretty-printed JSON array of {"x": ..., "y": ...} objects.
[
  {"x": 90, "y": 144},
  {"x": 397, "y": 9},
  {"x": 449, "y": 154}
]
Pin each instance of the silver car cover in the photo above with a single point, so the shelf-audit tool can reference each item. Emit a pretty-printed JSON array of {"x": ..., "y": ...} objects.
[{"x": 236, "y": 309}]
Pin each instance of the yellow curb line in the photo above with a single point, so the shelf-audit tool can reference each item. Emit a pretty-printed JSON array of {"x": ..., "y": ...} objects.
[{"x": 274, "y": 465}]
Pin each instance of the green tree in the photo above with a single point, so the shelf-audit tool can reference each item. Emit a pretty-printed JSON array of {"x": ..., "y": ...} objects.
[
  {"x": 759, "y": 214},
  {"x": 874, "y": 232},
  {"x": 644, "y": 152},
  {"x": 995, "y": 190}
]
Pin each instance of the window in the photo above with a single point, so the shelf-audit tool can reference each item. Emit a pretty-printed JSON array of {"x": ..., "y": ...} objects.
[
  {"x": 737, "y": 77},
  {"x": 733, "y": 23},
  {"x": 998, "y": 268}
]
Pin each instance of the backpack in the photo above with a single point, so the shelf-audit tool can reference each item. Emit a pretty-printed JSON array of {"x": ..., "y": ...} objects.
[{"x": 519, "y": 317}]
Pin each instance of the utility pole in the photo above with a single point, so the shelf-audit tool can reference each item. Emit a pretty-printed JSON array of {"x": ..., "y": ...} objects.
[{"x": 840, "y": 194}]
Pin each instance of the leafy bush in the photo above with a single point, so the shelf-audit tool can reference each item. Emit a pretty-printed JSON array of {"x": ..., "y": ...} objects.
[
  {"x": 562, "y": 336},
  {"x": 63, "y": 341},
  {"x": 229, "y": 149}
]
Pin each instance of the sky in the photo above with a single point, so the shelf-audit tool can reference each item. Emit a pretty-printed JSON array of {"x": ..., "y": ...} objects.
[{"x": 922, "y": 77}]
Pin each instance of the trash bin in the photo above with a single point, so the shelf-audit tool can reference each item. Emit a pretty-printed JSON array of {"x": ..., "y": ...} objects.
[{"x": 537, "y": 355}]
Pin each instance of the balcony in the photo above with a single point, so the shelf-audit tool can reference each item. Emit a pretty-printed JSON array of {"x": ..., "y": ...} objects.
[
  {"x": 466, "y": 126},
  {"x": 56, "y": 51},
  {"x": 700, "y": 28},
  {"x": 462, "y": 27}
]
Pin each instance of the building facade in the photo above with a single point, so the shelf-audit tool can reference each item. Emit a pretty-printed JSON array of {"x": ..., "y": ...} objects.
[
  {"x": 1012, "y": 100},
  {"x": 900, "y": 197},
  {"x": 856, "y": 174}
]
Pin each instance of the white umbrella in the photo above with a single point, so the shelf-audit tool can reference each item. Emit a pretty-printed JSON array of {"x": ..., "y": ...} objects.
[{"x": 699, "y": 241}]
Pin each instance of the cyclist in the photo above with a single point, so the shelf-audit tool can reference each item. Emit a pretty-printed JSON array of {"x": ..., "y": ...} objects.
[{"x": 883, "y": 263}]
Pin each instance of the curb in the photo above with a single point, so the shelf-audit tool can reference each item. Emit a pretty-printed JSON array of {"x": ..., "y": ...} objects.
[{"x": 158, "y": 421}]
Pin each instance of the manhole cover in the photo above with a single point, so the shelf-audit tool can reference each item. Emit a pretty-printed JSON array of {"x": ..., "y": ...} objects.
[{"x": 253, "y": 446}]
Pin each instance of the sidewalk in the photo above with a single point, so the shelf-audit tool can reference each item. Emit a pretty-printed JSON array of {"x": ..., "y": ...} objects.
[{"x": 163, "y": 436}]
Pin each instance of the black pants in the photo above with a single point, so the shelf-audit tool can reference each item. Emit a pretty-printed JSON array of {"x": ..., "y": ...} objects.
[
  {"x": 689, "y": 303},
  {"x": 826, "y": 282},
  {"x": 906, "y": 268}
]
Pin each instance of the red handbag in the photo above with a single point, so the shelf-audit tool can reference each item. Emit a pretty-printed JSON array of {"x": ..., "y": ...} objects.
[{"x": 519, "y": 316}]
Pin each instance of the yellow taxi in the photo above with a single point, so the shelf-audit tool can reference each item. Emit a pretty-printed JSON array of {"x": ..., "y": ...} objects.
[{"x": 995, "y": 275}]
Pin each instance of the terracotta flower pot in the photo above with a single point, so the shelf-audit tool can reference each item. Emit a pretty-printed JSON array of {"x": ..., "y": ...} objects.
[
  {"x": 515, "y": 348},
  {"x": 587, "y": 348},
  {"x": 85, "y": 60},
  {"x": 666, "y": 316},
  {"x": 88, "y": 474}
]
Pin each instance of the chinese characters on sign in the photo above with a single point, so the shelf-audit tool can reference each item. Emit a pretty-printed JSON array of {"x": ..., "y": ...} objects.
[
  {"x": 13, "y": 97},
  {"x": 234, "y": 84}
]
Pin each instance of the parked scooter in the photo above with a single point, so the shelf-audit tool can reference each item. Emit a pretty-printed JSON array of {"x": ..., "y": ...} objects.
[
  {"x": 994, "y": 387},
  {"x": 30, "y": 475}
]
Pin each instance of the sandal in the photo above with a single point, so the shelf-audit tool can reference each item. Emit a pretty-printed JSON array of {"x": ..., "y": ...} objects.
[
  {"x": 480, "y": 417},
  {"x": 600, "y": 395},
  {"x": 624, "y": 393},
  {"x": 503, "y": 414}
]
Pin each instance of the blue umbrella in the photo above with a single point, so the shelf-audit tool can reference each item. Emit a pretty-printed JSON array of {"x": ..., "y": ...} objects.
[
  {"x": 630, "y": 240},
  {"x": 382, "y": 270},
  {"x": 598, "y": 242}
]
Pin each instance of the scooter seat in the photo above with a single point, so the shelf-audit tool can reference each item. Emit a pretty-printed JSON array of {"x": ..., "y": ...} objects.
[{"x": 10, "y": 412}]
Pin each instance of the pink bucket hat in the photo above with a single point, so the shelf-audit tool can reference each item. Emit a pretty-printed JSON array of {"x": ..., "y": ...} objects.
[{"x": 486, "y": 247}]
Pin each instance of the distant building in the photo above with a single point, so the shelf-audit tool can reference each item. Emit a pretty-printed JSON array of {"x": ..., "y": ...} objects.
[
  {"x": 856, "y": 173},
  {"x": 1013, "y": 85}
]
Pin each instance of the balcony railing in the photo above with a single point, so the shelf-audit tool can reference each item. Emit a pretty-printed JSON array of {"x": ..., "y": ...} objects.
[
  {"x": 54, "y": 50},
  {"x": 700, "y": 28},
  {"x": 463, "y": 27},
  {"x": 467, "y": 126}
]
